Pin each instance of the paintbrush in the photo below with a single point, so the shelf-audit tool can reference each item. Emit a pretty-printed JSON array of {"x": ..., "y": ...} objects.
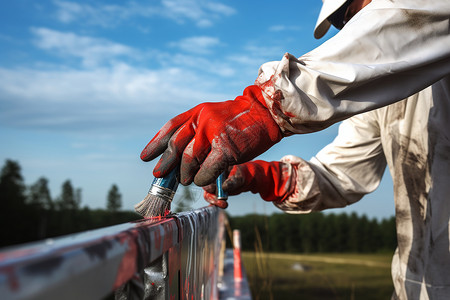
[{"x": 159, "y": 198}]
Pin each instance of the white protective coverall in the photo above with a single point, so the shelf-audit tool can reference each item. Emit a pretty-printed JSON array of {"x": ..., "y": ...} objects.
[{"x": 394, "y": 53}]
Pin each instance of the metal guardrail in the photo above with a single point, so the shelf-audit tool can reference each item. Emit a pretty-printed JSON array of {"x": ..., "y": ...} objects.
[{"x": 171, "y": 258}]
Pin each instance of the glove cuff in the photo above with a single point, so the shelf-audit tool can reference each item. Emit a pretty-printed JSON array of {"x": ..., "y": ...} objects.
[
  {"x": 255, "y": 93},
  {"x": 274, "y": 181},
  {"x": 305, "y": 196},
  {"x": 273, "y": 95}
]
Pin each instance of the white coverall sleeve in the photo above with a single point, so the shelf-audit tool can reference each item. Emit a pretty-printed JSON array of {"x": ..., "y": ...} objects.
[
  {"x": 388, "y": 51},
  {"x": 342, "y": 172}
]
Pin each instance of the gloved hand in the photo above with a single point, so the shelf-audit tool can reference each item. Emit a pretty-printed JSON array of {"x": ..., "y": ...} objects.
[
  {"x": 274, "y": 181},
  {"x": 212, "y": 136}
]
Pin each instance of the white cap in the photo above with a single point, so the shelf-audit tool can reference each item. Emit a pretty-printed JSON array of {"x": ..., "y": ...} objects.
[{"x": 328, "y": 8}]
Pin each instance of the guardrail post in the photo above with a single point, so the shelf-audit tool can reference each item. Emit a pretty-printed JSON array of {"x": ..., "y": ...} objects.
[
  {"x": 157, "y": 279},
  {"x": 237, "y": 255}
]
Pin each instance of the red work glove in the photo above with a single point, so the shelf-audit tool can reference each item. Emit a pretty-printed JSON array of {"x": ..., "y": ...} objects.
[
  {"x": 212, "y": 136},
  {"x": 274, "y": 181}
]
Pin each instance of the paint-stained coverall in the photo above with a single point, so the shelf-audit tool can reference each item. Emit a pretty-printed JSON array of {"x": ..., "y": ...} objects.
[{"x": 391, "y": 50}]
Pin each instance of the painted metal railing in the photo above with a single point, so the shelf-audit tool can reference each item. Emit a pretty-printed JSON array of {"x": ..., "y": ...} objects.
[{"x": 178, "y": 257}]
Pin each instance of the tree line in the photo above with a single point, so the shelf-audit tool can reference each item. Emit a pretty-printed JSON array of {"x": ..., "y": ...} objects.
[
  {"x": 315, "y": 232},
  {"x": 29, "y": 213}
]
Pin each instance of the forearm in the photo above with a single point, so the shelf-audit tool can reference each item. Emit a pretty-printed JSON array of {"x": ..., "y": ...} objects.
[
  {"x": 342, "y": 172},
  {"x": 315, "y": 189},
  {"x": 390, "y": 50}
]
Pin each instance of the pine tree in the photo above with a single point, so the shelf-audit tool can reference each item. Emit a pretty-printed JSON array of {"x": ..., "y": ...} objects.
[
  {"x": 41, "y": 205},
  {"x": 114, "y": 199},
  {"x": 13, "y": 210},
  {"x": 77, "y": 198},
  {"x": 12, "y": 187},
  {"x": 68, "y": 199},
  {"x": 39, "y": 194}
]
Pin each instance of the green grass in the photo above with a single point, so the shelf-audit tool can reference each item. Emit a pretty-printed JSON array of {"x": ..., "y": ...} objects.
[{"x": 325, "y": 276}]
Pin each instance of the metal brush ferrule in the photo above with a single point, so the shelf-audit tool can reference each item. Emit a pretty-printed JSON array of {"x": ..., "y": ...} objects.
[
  {"x": 162, "y": 193},
  {"x": 166, "y": 186}
]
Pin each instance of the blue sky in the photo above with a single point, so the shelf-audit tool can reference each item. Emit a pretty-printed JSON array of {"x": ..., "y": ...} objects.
[{"x": 85, "y": 85}]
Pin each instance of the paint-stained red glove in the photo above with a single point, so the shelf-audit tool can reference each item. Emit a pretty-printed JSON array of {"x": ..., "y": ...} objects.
[
  {"x": 212, "y": 136},
  {"x": 274, "y": 181}
]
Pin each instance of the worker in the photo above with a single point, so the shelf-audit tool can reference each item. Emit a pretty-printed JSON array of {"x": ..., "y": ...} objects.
[{"x": 387, "y": 74}]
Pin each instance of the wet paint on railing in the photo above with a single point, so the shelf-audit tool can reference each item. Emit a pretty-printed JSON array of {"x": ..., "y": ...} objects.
[{"x": 172, "y": 258}]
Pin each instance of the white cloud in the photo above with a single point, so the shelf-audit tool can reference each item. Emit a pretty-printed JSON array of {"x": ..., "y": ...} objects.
[
  {"x": 215, "y": 67},
  {"x": 279, "y": 28},
  {"x": 121, "y": 93},
  {"x": 105, "y": 15},
  {"x": 68, "y": 11},
  {"x": 264, "y": 52},
  {"x": 203, "y": 13},
  {"x": 92, "y": 51},
  {"x": 220, "y": 8},
  {"x": 197, "y": 44},
  {"x": 254, "y": 56},
  {"x": 120, "y": 97}
]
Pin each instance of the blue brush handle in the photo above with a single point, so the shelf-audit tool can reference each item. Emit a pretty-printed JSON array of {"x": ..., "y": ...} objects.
[
  {"x": 220, "y": 194},
  {"x": 170, "y": 181}
]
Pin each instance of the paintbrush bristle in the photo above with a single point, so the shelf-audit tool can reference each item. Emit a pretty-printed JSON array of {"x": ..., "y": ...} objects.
[{"x": 152, "y": 206}]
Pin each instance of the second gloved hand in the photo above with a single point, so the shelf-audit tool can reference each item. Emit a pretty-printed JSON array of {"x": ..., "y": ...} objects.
[
  {"x": 274, "y": 181},
  {"x": 212, "y": 136}
]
